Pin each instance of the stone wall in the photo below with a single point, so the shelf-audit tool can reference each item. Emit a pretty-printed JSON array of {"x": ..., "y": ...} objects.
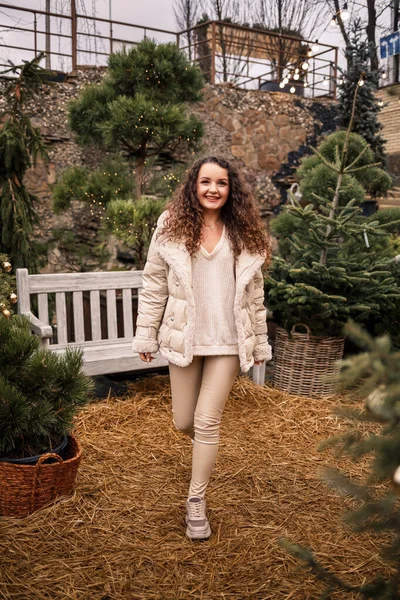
[{"x": 264, "y": 133}]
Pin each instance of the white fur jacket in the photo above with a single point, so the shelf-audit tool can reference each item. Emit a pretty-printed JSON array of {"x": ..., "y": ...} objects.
[{"x": 167, "y": 310}]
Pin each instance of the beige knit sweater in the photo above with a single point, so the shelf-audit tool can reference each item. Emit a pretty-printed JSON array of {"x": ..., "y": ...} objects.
[{"x": 214, "y": 292}]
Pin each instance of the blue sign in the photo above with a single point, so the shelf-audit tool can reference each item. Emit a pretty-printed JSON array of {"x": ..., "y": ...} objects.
[{"x": 390, "y": 44}]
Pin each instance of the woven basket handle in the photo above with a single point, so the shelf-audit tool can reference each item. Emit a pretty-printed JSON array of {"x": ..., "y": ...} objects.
[
  {"x": 301, "y": 325},
  {"x": 35, "y": 479}
]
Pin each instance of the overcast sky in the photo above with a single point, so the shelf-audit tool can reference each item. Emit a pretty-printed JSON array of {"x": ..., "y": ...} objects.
[{"x": 154, "y": 13}]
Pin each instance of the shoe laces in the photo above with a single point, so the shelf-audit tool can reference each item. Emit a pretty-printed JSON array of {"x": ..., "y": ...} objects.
[{"x": 196, "y": 510}]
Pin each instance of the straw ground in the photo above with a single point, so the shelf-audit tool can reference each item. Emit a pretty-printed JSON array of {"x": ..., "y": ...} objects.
[{"x": 121, "y": 535}]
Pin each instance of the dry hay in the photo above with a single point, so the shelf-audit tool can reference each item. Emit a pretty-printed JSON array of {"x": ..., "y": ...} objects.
[{"x": 122, "y": 534}]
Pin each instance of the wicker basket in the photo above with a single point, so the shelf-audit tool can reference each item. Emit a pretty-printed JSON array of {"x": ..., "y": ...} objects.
[
  {"x": 304, "y": 364},
  {"x": 25, "y": 488}
]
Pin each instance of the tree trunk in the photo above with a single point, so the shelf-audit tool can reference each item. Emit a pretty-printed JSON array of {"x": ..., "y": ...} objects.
[
  {"x": 371, "y": 31},
  {"x": 139, "y": 176},
  {"x": 342, "y": 28}
]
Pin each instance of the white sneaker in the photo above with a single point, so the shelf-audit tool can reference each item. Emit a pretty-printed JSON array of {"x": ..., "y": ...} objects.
[{"x": 198, "y": 527}]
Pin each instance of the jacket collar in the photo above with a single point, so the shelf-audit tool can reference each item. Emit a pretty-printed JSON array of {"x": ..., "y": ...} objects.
[{"x": 177, "y": 256}]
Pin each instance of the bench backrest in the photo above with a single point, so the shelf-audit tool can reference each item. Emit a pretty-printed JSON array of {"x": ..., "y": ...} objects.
[{"x": 89, "y": 300}]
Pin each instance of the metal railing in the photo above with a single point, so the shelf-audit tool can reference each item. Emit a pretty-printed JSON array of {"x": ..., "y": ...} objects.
[
  {"x": 262, "y": 59},
  {"x": 226, "y": 53}
]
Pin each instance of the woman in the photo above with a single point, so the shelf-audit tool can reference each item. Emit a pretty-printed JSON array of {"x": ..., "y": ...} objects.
[{"x": 202, "y": 308}]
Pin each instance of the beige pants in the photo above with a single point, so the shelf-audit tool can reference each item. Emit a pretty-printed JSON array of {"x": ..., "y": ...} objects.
[{"x": 199, "y": 394}]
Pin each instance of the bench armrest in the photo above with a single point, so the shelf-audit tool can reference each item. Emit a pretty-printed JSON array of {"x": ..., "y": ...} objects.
[{"x": 38, "y": 327}]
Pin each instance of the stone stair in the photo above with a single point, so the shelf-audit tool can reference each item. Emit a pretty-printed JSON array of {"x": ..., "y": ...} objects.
[{"x": 393, "y": 198}]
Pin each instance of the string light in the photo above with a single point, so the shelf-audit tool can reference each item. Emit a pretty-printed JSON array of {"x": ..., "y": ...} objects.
[
  {"x": 315, "y": 46},
  {"x": 344, "y": 13},
  {"x": 333, "y": 22},
  {"x": 292, "y": 89}
]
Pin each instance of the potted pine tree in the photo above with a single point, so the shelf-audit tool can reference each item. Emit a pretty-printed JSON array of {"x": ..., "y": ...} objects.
[
  {"x": 40, "y": 394},
  {"x": 333, "y": 265}
]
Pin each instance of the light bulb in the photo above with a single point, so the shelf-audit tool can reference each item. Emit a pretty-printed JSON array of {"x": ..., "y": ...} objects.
[
  {"x": 333, "y": 22},
  {"x": 361, "y": 82},
  {"x": 380, "y": 102},
  {"x": 305, "y": 84},
  {"x": 292, "y": 89},
  {"x": 340, "y": 81},
  {"x": 315, "y": 46},
  {"x": 296, "y": 76},
  {"x": 344, "y": 13},
  {"x": 304, "y": 65},
  {"x": 384, "y": 75},
  {"x": 296, "y": 70},
  {"x": 325, "y": 81},
  {"x": 285, "y": 80},
  {"x": 282, "y": 84}
]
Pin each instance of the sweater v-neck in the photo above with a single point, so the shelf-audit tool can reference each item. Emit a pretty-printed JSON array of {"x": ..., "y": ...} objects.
[{"x": 217, "y": 247}]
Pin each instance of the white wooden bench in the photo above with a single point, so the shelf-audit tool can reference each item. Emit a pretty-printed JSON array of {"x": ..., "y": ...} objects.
[{"x": 93, "y": 311}]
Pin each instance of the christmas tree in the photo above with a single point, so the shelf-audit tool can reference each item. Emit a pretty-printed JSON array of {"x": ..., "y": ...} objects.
[
  {"x": 139, "y": 107},
  {"x": 20, "y": 145},
  {"x": 40, "y": 391},
  {"x": 365, "y": 120},
  {"x": 373, "y": 375},
  {"x": 333, "y": 269}
]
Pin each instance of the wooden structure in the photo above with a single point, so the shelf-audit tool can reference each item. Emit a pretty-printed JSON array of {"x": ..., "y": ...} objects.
[{"x": 94, "y": 311}]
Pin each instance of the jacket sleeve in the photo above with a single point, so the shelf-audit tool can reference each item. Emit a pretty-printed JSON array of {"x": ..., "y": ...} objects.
[
  {"x": 152, "y": 301},
  {"x": 262, "y": 350}
]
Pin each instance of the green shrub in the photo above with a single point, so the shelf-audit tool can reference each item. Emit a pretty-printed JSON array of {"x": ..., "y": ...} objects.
[{"x": 40, "y": 391}]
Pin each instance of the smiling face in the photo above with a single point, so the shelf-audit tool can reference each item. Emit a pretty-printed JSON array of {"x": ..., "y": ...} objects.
[{"x": 212, "y": 187}]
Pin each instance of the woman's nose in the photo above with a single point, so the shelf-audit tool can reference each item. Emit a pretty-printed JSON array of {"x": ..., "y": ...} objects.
[{"x": 213, "y": 187}]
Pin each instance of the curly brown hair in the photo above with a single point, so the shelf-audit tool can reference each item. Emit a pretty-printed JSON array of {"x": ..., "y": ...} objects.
[{"x": 240, "y": 214}]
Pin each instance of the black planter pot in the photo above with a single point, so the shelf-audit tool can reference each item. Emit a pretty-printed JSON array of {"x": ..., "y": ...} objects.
[
  {"x": 31, "y": 460},
  {"x": 56, "y": 76},
  {"x": 273, "y": 86}
]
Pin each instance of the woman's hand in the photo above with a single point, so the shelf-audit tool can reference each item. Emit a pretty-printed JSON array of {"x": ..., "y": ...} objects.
[{"x": 146, "y": 357}]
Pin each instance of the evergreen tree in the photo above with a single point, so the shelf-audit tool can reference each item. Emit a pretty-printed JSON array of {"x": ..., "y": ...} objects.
[
  {"x": 373, "y": 375},
  {"x": 133, "y": 222},
  {"x": 365, "y": 121},
  {"x": 139, "y": 106},
  {"x": 332, "y": 271},
  {"x": 318, "y": 183},
  {"x": 112, "y": 180},
  {"x": 20, "y": 145},
  {"x": 40, "y": 391}
]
